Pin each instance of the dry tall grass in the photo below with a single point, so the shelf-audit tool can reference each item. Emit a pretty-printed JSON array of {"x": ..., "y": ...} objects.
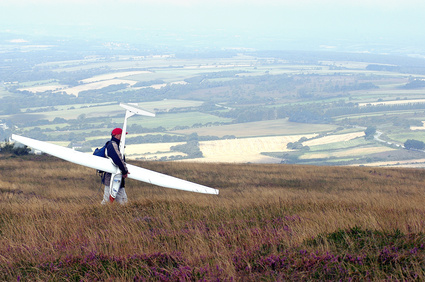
[{"x": 51, "y": 221}]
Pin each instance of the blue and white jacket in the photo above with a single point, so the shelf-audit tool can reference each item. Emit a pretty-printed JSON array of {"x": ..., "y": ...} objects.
[{"x": 113, "y": 152}]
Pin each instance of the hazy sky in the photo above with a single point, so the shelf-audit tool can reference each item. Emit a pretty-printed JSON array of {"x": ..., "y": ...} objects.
[{"x": 383, "y": 21}]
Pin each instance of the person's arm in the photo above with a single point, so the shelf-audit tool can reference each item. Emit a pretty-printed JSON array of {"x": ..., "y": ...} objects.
[{"x": 114, "y": 153}]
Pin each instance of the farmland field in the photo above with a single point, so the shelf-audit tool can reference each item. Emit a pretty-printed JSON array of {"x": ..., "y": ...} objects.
[
  {"x": 403, "y": 136},
  {"x": 172, "y": 120},
  {"x": 396, "y": 102},
  {"x": 246, "y": 96},
  {"x": 245, "y": 149},
  {"x": 160, "y": 62},
  {"x": 379, "y": 114},
  {"x": 99, "y": 110},
  {"x": 262, "y": 128},
  {"x": 97, "y": 85},
  {"x": 333, "y": 138},
  {"x": 339, "y": 145},
  {"x": 43, "y": 88},
  {"x": 418, "y": 127},
  {"x": 152, "y": 150},
  {"x": 114, "y": 76},
  {"x": 350, "y": 152},
  {"x": 251, "y": 149}
]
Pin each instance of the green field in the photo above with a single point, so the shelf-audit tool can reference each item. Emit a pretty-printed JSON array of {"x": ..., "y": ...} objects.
[
  {"x": 99, "y": 110},
  {"x": 261, "y": 128},
  {"x": 170, "y": 121},
  {"x": 378, "y": 114},
  {"x": 153, "y": 63},
  {"x": 357, "y": 142},
  {"x": 355, "y": 152},
  {"x": 403, "y": 136}
]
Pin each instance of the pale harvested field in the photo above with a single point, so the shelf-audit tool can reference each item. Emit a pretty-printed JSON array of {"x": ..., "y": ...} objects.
[
  {"x": 217, "y": 66},
  {"x": 159, "y": 86},
  {"x": 346, "y": 64},
  {"x": 395, "y": 102},
  {"x": 225, "y": 151},
  {"x": 43, "y": 88},
  {"x": 60, "y": 143},
  {"x": 346, "y": 153},
  {"x": 150, "y": 151},
  {"x": 140, "y": 149},
  {"x": 114, "y": 75},
  {"x": 246, "y": 149},
  {"x": 254, "y": 158},
  {"x": 333, "y": 138},
  {"x": 96, "y": 85},
  {"x": 156, "y": 156}
]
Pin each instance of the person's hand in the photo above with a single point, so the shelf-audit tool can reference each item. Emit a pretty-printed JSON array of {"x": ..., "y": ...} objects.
[{"x": 125, "y": 175}]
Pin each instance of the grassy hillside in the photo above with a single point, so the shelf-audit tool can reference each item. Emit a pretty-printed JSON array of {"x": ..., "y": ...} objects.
[{"x": 287, "y": 222}]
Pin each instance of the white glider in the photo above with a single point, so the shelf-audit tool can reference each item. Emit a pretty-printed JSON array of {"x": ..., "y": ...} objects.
[{"x": 105, "y": 164}]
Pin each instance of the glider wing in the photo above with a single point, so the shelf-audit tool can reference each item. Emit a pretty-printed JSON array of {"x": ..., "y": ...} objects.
[
  {"x": 105, "y": 164},
  {"x": 68, "y": 154}
]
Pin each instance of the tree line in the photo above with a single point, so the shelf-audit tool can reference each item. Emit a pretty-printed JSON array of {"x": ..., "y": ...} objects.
[{"x": 412, "y": 144}]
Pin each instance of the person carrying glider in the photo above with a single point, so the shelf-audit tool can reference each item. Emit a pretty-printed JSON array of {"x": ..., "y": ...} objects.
[
  {"x": 113, "y": 152},
  {"x": 117, "y": 169}
]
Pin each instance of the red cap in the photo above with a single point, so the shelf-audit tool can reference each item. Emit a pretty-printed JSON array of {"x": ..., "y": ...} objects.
[{"x": 117, "y": 131}]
